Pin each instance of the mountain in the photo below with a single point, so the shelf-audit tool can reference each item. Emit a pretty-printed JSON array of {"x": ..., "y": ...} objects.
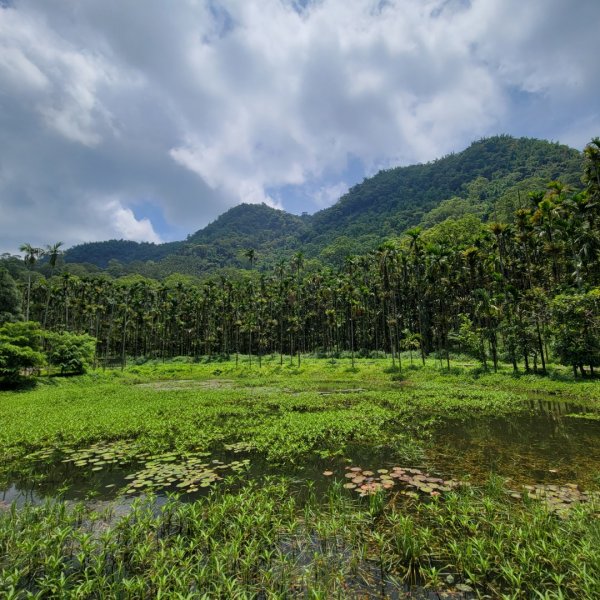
[
  {"x": 126, "y": 251},
  {"x": 490, "y": 178},
  {"x": 485, "y": 174},
  {"x": 220, "y": 244}
]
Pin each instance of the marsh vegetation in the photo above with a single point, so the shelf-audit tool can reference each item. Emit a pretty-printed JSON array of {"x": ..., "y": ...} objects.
[{"x": 211, "y": 479}]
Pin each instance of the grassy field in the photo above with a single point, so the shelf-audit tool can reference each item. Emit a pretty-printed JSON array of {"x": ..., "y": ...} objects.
[{"x": 264, "y": 537}]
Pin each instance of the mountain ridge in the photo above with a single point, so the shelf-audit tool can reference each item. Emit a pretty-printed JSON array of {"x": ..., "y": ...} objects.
[{"x": 487, "y": 178}]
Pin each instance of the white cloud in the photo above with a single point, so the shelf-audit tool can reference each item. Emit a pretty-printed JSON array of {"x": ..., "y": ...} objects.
[
  {"x": 125, "y": 223},
  {"x": 18, "y": 72},
  {"x": 210, "y": 103},
  {"x": 36, "y": 59},
  {"x": 328, "y": 194}
]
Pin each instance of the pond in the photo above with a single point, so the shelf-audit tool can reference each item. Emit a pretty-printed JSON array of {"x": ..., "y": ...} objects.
[{"x": 554, "y": 444}]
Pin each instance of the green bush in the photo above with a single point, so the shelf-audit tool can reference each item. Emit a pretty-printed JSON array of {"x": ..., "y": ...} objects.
[
  {"x": 577, "y": 329},
  {"x": 10, "y": 299},
  {"x": 70, "y": 352},
  {"x": 19, "y": 350}
]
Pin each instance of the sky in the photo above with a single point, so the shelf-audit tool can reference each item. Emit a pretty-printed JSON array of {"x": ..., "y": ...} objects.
[{"x": 145, "y": 120}]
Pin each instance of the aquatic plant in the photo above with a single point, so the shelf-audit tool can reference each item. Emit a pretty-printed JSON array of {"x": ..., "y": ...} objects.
[
  {"x": 263, "y": 540},
  {"x": 186, "y": 473}
]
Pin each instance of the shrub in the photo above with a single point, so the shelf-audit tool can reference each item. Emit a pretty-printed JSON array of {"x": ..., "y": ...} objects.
[
  {"x": 70, "y": 352},
  {"x": 19, "y": 350},
  {"x": 576, "y": 320}
]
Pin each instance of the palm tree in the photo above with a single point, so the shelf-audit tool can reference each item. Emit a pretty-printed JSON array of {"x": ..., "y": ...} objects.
[
  {"x": 52, "y": 252},
  {"x": 250, "y": 254},
  {"x": 31, "y": 256}
]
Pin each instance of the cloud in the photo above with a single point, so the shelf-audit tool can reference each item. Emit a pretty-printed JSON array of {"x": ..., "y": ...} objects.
[
  {"x": 125, "y": 223},
  {"x": 107, "y": 108},
  {"x": 328, "y": 194}
]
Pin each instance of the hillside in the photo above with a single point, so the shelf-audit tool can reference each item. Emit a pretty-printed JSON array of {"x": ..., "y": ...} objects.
[
  {"x": 220, "y": 244},
  {"x": 486, "y": 174},
  {"x": 490, "y": 178},
  {"x": 126, "y": 251}
]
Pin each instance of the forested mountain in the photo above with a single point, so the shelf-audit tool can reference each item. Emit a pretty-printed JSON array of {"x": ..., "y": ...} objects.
[
  {"x": 246, "y": 232},
  {"x": 222, "y": 243},
  {"x": 490, "y": 179},
  {"x": 526, "y": 291},
  {"x": 486, "y": 176},
  {"x": 100, "y": 253}
]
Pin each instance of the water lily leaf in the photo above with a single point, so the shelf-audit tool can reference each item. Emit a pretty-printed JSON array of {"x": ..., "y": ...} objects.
[{"x": 410, "y": 494}]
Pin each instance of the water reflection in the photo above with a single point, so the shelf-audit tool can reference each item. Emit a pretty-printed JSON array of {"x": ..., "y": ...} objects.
[{"x": 547, "y": 446}]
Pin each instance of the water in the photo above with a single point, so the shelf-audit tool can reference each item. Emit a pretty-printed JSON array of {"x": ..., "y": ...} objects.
[{"x": 546, "y": 446}]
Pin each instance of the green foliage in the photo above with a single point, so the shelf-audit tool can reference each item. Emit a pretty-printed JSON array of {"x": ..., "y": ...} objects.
[
  {"x": 221, "y": 244},
  {"x": 396, "y": 199},
  {"x": 70, "y": 352},
  {"x": 454, "y": 209},
  {"x": 19, "y": 349},
  {"x": 100, "y": 253},
  {"x": 10, "y": 298},
  {"x": 247, "y": 543},
  {"x": 577, "y": 328},
  {"x": 456, "y": 232},
  {"x": 246, "y": 540},
  {"x": 469, "y": 339},
  {"x": 22, "y": 334},
  {"x": 500, "y": 276},
  {"x": 284, "y": 412}
]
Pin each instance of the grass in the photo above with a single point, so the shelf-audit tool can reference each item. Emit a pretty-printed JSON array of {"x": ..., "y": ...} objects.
[
  {"x": 264, "y": 538},
  {"x": 262, "y": 541}
]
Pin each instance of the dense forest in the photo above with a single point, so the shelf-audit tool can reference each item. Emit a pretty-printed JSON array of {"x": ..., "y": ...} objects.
[{"x": 524, "y": 290}]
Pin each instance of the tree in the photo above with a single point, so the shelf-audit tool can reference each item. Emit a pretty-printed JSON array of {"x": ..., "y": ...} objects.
[
  {"x": 501, "y": 277},
  {"x": 577, "y": 329},
  {"x": 70, "y": 352},
  {"x": 591, "y": 171},
  {"x": 10, "y": 299},
  {"x": 471, "y": 340},
  {"x": 250, "y": 254},
  {"x": 31, "y": 256},
  {"x": 19, "y": 350},
  {"x": 52, "y": 252}
]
